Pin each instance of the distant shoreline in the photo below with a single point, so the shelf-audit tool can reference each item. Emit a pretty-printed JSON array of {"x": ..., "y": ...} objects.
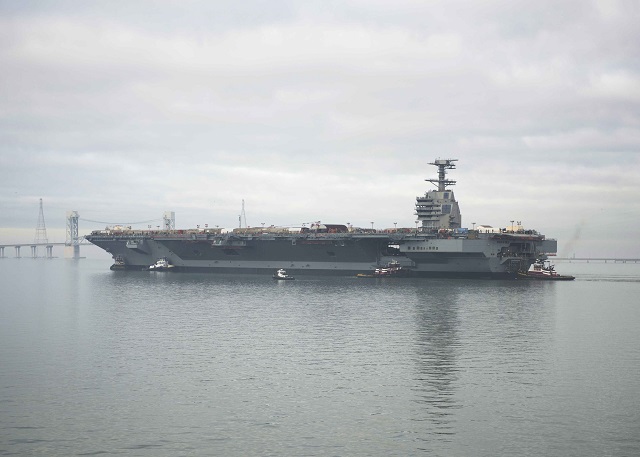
[{"x": 596, "y": 259}]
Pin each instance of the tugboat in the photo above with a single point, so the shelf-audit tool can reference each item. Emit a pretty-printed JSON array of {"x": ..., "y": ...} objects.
[
  {"x": 282, "y": 275},
  {"x": 161, "y": 265},
  {"x": 392, "y": 270},
  {"x": 545, "y": 270},
  {"x": 119, "y": 264}
]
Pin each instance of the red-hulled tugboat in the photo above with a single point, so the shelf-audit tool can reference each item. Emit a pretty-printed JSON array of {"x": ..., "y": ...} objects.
[
  {"x": 545, "y": 270},
  {"x": 392, "y": 270}
]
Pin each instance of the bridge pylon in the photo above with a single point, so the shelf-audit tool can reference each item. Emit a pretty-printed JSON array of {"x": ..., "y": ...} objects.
[
  {"x": 41, "y": 233},
  {"x": 73, "y": 239},
  {"x": 169, "y": 220}
]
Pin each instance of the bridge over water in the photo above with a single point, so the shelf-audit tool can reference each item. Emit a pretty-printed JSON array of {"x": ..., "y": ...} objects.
[
  {"x": 73, "y": 239},
  {"x": 34, "y": 249}
]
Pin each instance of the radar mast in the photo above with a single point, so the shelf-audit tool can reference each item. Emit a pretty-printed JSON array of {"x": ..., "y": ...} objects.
[{"x": 443, "y": 165}]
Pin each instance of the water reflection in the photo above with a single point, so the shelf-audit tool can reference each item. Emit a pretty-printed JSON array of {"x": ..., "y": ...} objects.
[
  {"x": 494, "y": 337},
  {"x": 436, "y": 345}
]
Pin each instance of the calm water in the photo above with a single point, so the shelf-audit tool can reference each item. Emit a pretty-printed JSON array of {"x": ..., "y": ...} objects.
[{"x": 98, "y": 362}]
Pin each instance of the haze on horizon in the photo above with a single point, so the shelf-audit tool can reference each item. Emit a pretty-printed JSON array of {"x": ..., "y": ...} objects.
[{"x": 327, "y": 111}]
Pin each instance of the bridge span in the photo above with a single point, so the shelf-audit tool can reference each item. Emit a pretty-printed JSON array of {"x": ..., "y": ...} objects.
[
  {"x": 48, "y": 246},
  {"x": 34, "y": 248}
]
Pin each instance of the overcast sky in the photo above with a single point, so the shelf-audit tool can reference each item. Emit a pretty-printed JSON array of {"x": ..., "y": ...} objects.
[{"x": 322, "y": 110}]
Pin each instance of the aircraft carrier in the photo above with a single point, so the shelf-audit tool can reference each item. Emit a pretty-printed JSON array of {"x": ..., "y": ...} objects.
[{"x": 439, "y": 246}]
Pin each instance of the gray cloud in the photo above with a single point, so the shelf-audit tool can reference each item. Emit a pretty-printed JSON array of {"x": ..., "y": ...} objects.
[{"x": 122, "y": 110}]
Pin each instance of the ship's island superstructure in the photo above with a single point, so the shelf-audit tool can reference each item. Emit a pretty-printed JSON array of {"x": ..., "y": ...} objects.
[{"x": 437, "y": 247}]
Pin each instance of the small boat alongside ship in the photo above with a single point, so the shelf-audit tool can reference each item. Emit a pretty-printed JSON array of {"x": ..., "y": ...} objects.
[
  {"x": 118, "y": 264},
  {"x": 392, "y": 270},
  {"x": 282, "y": 275},
  {"x": 161, "y": 265},
  {"x": 544, "y": 270}
]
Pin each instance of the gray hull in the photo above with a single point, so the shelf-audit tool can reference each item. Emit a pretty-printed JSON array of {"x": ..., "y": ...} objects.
[{"x": 337, "y": 254}]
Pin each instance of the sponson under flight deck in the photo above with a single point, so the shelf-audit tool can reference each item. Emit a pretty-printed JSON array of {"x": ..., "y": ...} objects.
[{"x": 439, "y": 245}]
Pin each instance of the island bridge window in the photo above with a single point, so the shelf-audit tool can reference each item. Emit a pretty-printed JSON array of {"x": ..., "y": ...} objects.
[{"x": 446, "y": 209}]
